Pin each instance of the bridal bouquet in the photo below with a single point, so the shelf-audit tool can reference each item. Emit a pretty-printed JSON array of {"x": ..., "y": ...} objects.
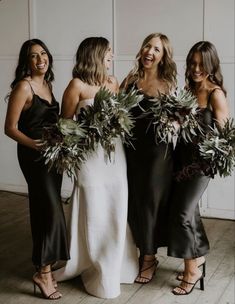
[
  {"x": 108, "y": 118},
  {"x": 217, "y": 149},
  {"x": 215, "y": 153},
  {"x": 175, "y": 116},
  {"x": 65, "y": 146},
  {"x": 69, "y": 142}
]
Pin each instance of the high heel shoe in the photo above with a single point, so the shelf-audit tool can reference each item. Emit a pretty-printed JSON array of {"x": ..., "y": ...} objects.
[
  {"x": 186, "y": 292},
  {"x": 180, "y": 275},
  {"x": 154, "y": 264},
  {"x": 43, "y": 292},
  {"x": 53, "y": 279}
]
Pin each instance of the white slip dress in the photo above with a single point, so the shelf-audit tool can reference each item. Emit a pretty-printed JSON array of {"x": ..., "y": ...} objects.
[{"x": 101, "y": 245}]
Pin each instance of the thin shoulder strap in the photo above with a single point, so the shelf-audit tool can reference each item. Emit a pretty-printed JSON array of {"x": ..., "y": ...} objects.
[{"x": 30, "y": 86}]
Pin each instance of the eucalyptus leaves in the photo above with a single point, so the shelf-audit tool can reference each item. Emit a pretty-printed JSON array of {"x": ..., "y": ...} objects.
[
  {"x": 68, "y": 143},
  {"x": 214, "y": 153},
  {"x": 175, "y": 116},
  {"x": 65, "y": 146},
  {"x": 108, "y": 118},
  {"x": 217, "y": 149}
]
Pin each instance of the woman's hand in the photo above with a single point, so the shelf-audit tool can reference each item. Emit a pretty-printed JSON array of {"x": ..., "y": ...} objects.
[{"x": 39, "y": 144}]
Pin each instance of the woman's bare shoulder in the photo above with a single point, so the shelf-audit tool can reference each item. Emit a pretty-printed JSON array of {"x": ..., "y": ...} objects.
[
  {"x": 23, "y": 85},
  {"x": 22, "y": 90},
  {"x": 76, "y": 83}
]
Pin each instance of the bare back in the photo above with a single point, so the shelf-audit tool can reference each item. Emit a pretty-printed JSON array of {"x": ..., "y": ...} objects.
[{"x": 78, "y": 90}]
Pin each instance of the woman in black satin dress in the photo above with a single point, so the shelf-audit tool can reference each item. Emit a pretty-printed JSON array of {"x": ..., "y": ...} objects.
[
  {"x": 149, "y": 165},
  {"x": 32, "y": 107},
  {"x": 187, "y": 237}
]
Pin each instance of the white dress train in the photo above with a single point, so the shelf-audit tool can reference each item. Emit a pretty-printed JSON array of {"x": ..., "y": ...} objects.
[{"x": 101, "y": 246}]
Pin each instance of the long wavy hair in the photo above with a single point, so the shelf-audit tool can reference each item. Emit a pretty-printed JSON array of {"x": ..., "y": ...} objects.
[
  {"x": 89, "y": 65},
  {"x": 167, "y": 69},
  {"x": 210, "y": 61},
  {"x": 23, "y": 70}
]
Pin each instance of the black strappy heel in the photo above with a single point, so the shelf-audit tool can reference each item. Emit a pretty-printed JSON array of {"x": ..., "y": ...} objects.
[
  {"x": 185, "y": 292},
  {"x": 180, "y": 275},
  {"x": 53, "y": 279},
  {"x": 45, "y": 296},
  {"x": 154, "y": 264}
]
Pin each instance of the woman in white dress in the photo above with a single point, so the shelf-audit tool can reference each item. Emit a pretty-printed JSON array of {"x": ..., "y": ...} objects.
[{"x": 101, "y": 246}]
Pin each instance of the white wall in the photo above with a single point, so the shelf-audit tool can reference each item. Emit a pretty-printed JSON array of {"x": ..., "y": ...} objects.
[{"x": 63, "y": 24}]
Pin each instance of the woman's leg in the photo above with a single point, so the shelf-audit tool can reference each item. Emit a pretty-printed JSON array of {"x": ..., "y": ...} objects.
[
  {"x": 148, "y": 265},
  {"x": 43, "y": 279},
  {"x": 192, "y": 274}
]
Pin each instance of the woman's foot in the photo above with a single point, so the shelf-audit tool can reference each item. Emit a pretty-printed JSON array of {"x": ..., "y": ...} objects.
[
  {"x": 200, "y": 262},
  {"x": 53, "y": 280},
  {"x": 44, "y": 282},
  {"x": 147, "y": 269},
  {"x": 188, "y": 283}
]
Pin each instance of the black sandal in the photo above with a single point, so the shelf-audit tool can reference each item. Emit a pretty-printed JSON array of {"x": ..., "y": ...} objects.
[
  {"x": 154, "y": 264},
  {"x": 43, "y": 292},
  {"x": 180, "y": 275},
  {"x": 201, "y": 279}
]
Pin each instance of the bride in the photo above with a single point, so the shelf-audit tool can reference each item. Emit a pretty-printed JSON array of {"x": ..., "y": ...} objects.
[{"x": 101, "y": 246}]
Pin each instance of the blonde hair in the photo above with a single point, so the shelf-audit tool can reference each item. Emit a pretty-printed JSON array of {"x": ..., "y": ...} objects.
[
  {"x": 167, "y": 69},
  {"x": 90, "y": 66}
]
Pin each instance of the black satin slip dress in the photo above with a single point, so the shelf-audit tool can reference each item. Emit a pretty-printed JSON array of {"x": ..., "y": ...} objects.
[
  {"x": 46, "y": 212},
  {"x": 187, "y": 236},
  {"x": 149, "y": 172}
]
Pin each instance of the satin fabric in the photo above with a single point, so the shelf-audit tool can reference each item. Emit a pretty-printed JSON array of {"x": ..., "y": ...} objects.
[
  {"x": 149, "y": 171},
  {"x": 46, "y": 212},
  {"x": 187, "y": 236}
]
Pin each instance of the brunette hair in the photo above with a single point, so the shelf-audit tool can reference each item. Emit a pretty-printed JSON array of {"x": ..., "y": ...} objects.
[
  {"x": 89, "y": 65},
  {"x": 22, "y": 69},
  {"x": 210, "y": 61}
]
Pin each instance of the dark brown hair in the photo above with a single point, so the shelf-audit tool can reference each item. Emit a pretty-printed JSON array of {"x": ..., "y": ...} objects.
[
  {"x": 210, "y": 61},
  {"x": 22, "y": 69}
]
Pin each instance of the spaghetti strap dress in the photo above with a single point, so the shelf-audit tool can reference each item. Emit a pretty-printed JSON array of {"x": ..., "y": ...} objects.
[
  {"x": 149, "y": 172},
  {"x": 187, "y": 236},
  {"x": 46, "y": 212}
]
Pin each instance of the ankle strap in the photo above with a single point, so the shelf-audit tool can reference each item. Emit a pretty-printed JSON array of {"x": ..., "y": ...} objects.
[
  {"x": 44, "y": 272},
  {"x": 153, "y": 260}
]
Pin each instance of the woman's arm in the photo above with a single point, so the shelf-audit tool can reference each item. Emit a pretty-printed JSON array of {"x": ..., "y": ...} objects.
[
  {"x": 70, "y": 99},
  {"x": 20, "y": 98},
  {"x": 220, "y": 107}
]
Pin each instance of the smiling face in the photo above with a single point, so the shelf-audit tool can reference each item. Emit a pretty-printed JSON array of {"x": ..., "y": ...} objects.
[
  {"x": 197, "y": 72},
  {"x": 108, "y": 58},
  {"x": 38, "y": 60},
  {"x": 152, "y": 53}
]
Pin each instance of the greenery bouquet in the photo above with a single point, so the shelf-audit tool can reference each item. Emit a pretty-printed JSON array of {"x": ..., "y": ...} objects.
[
  {"x": 175, "y": 116},
  {"x": 69, "y": 142}
]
